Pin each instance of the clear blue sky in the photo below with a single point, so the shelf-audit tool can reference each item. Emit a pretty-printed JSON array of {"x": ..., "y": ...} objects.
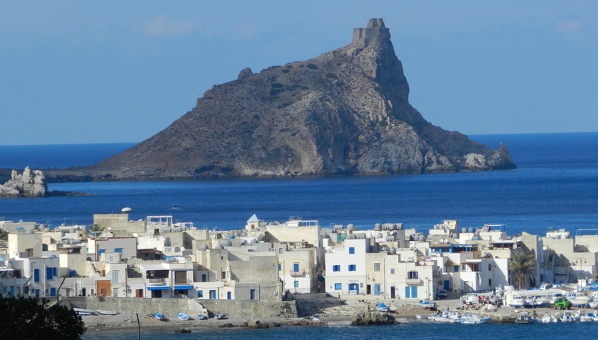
[{"x": 120, "y": 71}]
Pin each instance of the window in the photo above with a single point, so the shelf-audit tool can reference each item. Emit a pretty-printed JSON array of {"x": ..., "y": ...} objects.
[
  {"x": 412, "y": 275},
  {"x": 338, "y": 286},
  {"x": 295, "y": 267},
  {"x": 392, "y": 271},
  {"x": 115, "y": 276},
  {"x": 280, "y": 250},
  {"x": 213, "y": 294},
  {"x": 200, "y": 293},
  {"x": 36, "y": 275},
  {"x": 336, "y": 268},
  {"x": 252, "y": 294},
  {"x": 296, "y": 284},
  {"x": 279, "y": 267},
  {"x": 118, "y": 250},
  {"x": 223, "y": 275},
  {"x": 376, "y": 267},
  {"x": 229, "y": 295},
  {"x": 49, "y": 273},
  {"x": 351, "y": 250},
  {"x": 455, "y": 269},
  {"x": 490, "y": 282},
  {"x": 352, "y": 267}
]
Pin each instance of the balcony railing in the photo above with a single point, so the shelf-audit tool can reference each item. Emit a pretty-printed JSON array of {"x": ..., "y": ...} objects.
[
  {"x": 157, "y": 282},
  {"x": 299, "y": 273},
  {"x": 413, "y": 282}
]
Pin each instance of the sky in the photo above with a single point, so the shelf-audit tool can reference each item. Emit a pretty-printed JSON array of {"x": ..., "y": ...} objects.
[{"x": 112, "y": 71}]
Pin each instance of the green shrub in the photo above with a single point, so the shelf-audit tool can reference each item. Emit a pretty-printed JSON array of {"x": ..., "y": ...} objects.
[
  {"x": 277, "y": 85},
  {"x": 312, "y": 66},
  {"x": 331, "y": 75}
]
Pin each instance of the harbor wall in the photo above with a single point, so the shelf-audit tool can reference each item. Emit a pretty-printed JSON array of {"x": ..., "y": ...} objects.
[{"x": 193, "y": 307}]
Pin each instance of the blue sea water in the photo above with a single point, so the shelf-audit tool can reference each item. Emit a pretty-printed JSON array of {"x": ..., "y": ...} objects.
[
  {"x": 555, "y": 186},
  {"x": 412, "y": 330}
]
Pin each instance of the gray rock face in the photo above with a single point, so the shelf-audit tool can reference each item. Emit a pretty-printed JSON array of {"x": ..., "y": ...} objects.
[
  {"x": 345, "y": 112},
  {"x": 31, "y": 183}
]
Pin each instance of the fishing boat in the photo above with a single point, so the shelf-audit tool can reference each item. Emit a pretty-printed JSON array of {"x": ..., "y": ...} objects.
[
  {"x": 106, "y": 312},
  {"x": 549, "y": 318},
  {"x": 160, "y": 317},
  {"x": 202, "y": 317},
  {"x": 220, "y": 316},
  {"x": 523, "y": 317},
  {"x": 425, "y": 303},
  {"x": 567, "y": 317},
  {"x": 585, "y": 317},
  {"x": 183, "y": 316},
  {"x": 473, "y": 319}
]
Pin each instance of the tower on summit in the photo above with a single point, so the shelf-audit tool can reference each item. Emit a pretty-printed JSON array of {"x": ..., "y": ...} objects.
[{"x": 375, "y": 26}]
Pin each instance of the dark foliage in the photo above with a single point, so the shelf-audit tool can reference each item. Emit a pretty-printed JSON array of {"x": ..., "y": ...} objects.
[{"x": 29, "y": 318}]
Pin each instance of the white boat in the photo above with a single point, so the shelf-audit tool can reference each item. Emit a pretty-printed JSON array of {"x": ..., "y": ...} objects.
[
  {"x": 523, "y": 318},
  {"x": 578, "y": 299},
  {"x": 106, "y": 312},
  {"x": 446, "y": 316},
  {"x": 81, "y": 311},
  {"x": 473, "y": 318},
  {"x": 549, "y": 318},
  {"x": 567, "y": 317},
  {"x": 220, "y": 316},
  {"x": 517, "y": 301},
  {"x": 421, "y": 316},
  {"x": 585, "y": 317},
  {"x": 427, "y": 303},
  {"x": 183, "y": 316}
]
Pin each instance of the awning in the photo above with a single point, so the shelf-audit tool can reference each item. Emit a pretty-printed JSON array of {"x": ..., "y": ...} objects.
[
  {"x": 183, "y": 287},
  {"x": 158, "y": 288}
]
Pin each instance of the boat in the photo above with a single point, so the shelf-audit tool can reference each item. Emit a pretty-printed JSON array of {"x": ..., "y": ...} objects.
[
  {"x": 473, "y": 319},
  {"x": 549, "y": 318},
  {"x": 421, "y": 316},
  {"x": 220, "y": 316},
  {"x": 585, "y": 317},
  {"x": 578, "y": 299},
  {"x": 517, "y": 301},
  {"x": 381, "y": 307},
  {"x": 81, "y": 311},
  {"x": 183, "y": 316},
  {"x": 315, "y": 318},
  {"x": 425, "y": 303},
  {"x": 446, "y": 316},
  {"x": 202, "y": 317},
  {"x": 523, "y": 317},
  {"x": 106, "y": 312},
  {"x": 175, "y": 207},
  {"x": 160, "y": 317},
  {"x": 567, "y": 317}
]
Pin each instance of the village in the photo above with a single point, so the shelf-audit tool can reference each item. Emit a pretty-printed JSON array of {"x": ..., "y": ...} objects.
[{"x": 159, "y": 265}]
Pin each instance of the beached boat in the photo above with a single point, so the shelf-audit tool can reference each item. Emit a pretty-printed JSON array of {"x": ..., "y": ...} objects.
[
  {"x": 220, "y": 316},
  {"x": 523, "y": 318},
  {"x": 160, "y": 317},
  {"x": 425, "y": 303},
  {"x": 202, "y": 317},
  {"x": 381, "y": 307},
  {"x": 446, "y": 316},
  {"x": 183, "y": 316},
  {"x": 81, "y": 311},
  {"x": 578, "y": 299},
  {"x": 106, "y": 312},
  {"x": 421, "y": 316}
]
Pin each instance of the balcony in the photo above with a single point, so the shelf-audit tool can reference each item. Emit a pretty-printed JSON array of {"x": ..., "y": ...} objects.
[
  {"x": 157, "y": 282},
  {"x": 413, "y": 282},
  {"x": 300, "y": 273}
]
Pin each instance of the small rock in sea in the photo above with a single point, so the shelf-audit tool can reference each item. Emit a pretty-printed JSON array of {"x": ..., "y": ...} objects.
[
  {"x": 182, "y": 331},
  {"x": 227, "y": 325}
]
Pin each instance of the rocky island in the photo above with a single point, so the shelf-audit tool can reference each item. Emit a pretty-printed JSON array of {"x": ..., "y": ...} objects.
[{"x": 345, "y": 112}]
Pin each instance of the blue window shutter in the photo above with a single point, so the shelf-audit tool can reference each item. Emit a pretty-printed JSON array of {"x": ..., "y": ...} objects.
[
  {"x": 36, "y": 275},
  {"x": 48, "y": 273},
  {"x": 295, "y": 267},
  {"x": 54, "y": 271}
]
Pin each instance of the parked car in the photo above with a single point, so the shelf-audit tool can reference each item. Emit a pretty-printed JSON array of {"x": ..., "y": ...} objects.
[{"x": 441, "y": 294}]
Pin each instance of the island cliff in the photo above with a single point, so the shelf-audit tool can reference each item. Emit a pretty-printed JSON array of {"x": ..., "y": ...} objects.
[{"x": 345, "y": 112}]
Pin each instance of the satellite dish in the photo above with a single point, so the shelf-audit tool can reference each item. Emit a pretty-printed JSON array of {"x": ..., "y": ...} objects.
[{"x": 126, "y": 210}]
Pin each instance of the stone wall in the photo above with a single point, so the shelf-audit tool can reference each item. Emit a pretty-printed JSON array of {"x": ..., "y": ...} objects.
[{"x": 193, "y": 307}]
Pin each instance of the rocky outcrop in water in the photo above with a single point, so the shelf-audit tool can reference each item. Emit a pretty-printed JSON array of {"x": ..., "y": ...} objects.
[
  {"x": 373, "y": 318},
  {"x": 345, "y": 112},
  {"x": 31, "y": 183}
]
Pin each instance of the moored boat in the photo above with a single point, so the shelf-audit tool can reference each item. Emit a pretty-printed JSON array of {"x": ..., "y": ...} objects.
[
  {"x": 183, "y": 316},
  {"x": 523, "y": 318}
]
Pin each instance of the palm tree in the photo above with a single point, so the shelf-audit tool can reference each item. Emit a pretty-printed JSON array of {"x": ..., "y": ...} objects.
[
  {"x": 521, "y": 264},
  {"x": 94, "y": 229},
  {"x": 3, "y": 235}
]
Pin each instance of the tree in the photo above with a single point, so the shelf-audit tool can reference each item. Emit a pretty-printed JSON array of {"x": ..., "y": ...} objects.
[
  {"x": 3, "y": 235},
  {"x": 31, "y": 318},
  {"x": 521, "y": 264}
]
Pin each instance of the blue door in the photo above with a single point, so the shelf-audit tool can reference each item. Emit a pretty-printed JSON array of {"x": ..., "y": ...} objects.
[
  {"x": 353, "y": 288},
  {"x": 407, "y": 292},
  {"x": 295, "y": 267},
  {"x": 377, "y": 289},
  {"x": 229, "y": 295},
  {"x": 414, "y": 292},
  {"x": 212, "y": 294},
  {"x": 52, "y": 291},
  {"x": 447, "y": 286}
]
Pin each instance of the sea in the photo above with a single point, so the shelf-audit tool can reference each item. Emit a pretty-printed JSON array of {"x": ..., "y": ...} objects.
[{"x": 555, "y": 186}]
